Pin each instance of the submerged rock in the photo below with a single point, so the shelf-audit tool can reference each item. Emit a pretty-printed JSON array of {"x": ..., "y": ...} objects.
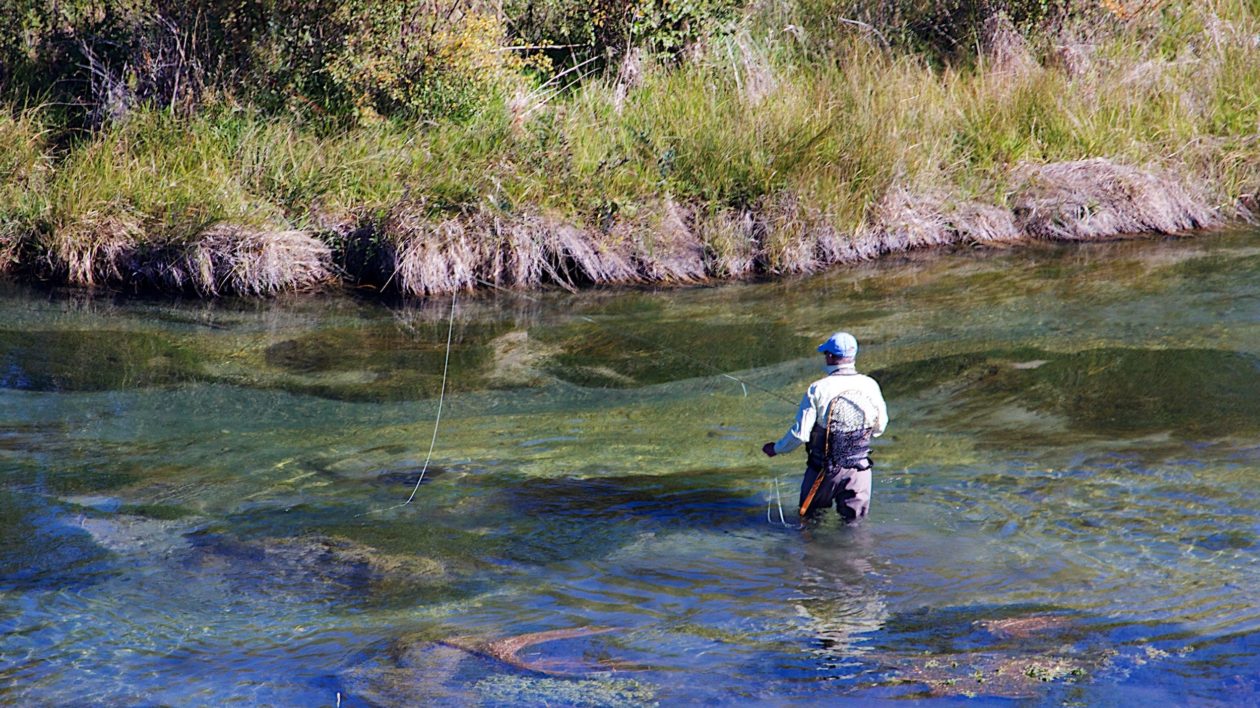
[
  {"x": 389, "y": 682},
  {"x": 518, "y": 359},
  {"x": 310, "y": 565},
  {"x": 1024, "y": 627},
  {"x": 320, "y": 562},
  {"x": 991, "y": 675},
  {"x": 965, "y": 652},
  {"x": 505, "y": 649},
  {"x": 126, "y": 534}
]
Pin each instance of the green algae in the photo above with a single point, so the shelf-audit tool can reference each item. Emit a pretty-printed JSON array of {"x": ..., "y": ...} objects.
[
  {"x": 1113, "y": 390},
  {"x": 382, "y": 363},
  {"x": 605, "y": 513},
  {"x": 90, "y": 479},
  {"x": 1215, "y": 268},
  {"x": 92, "y": 360},
  {"x": 161, "y": 512},
  {"x": 620, "y": 353},
  {"x": 1198, "y": 392}
]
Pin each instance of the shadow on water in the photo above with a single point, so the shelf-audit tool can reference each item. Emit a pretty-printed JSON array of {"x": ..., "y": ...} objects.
[
  {"x": 951, "y": 630},
  {"x": 522, "y": 520},
  {"x": 40, "y": 550},
  {"x": 26, "y": 448},
  {"x": 575, "y": 518}
]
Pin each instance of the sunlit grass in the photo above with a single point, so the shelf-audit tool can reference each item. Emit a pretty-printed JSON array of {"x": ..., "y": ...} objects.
[
  {"x": 755, "y": 126},
  {"x": 25, "y": 168}
]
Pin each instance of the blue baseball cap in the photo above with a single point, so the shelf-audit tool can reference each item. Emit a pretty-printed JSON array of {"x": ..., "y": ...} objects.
[{"x": 841, "y": 344}]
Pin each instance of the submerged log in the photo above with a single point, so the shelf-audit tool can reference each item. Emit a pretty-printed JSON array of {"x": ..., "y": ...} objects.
[{"x": 416, "y": 668}]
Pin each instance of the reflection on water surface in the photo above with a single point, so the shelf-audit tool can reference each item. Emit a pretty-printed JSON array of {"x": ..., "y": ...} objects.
[{"x": 202, "y": 503}]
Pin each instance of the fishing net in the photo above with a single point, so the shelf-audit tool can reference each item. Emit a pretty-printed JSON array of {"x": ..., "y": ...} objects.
[
  {"x": 846, "y": 446},
  {"x": 850, "y": 418}
]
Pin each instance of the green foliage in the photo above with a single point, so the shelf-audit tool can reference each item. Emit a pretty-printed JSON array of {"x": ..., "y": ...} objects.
[
  {"x": 25, "y": 164},
  {"x": 569, "y": 32},
  {"x": 750, "y": 121},
  {"x": 670, "y": 27},
  {"x": 420, "y": 57},
  {"x": 568, "y": 29},
  {"x": 949, "y": 30},
  {"x": 429, "y": 58},
  {"x": 25, "y": 168},
  {"x": 434, "y": 58}
]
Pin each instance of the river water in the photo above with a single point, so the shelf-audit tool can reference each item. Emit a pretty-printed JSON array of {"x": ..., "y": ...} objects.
[{"x": 204, "y": 503}]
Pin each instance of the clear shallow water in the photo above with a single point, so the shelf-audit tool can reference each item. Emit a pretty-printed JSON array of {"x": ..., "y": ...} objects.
[{"x": 200, "y": 503}]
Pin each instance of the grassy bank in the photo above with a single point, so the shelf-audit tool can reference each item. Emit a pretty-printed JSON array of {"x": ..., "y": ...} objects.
[{"x": 771, "y": 148}]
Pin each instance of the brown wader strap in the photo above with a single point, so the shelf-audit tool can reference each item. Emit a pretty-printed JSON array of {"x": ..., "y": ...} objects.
[{"x": 818, "y": 478}]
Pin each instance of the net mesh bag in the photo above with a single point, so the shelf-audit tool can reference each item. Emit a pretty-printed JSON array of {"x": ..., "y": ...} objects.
[{"x": 850, "y": 417}]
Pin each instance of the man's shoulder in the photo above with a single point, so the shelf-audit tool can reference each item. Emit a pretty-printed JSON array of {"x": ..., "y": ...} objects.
[
  {"x": 842, "y": 379},
  {"x": 836, "y": 384}
]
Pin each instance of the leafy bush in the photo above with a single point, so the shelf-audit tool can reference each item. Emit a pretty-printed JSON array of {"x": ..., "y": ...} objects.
[
  {"x": 570, "y": 30},
  {"x": 945, "y": 29},
  {"x": 421, "y": 56}
]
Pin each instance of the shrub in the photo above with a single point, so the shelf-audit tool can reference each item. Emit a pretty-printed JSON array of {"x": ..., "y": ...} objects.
[
  {"x": 421, "y": 57},
  {"x": 949, "y": 30},
  {"x": 418, "y": 57},
  {"x": 570, "y": 31}
]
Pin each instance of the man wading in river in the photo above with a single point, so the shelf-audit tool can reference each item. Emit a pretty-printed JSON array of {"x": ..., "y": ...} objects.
[{"x": 839, "y": 415}]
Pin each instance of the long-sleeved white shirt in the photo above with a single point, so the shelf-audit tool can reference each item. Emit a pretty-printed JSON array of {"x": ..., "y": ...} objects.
[{"x": 820, "y": 394}]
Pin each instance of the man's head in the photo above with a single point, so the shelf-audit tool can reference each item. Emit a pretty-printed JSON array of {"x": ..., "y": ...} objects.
[{"x": 841, "y": 347}]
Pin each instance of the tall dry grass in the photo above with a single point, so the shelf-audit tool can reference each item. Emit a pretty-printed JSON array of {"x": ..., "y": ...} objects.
[{"x": 761, "y": 154}]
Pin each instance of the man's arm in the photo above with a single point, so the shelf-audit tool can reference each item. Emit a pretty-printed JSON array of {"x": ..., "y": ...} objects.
[
  {"x": 881, "y": 415},
  {"x": 799, "y": 432}
]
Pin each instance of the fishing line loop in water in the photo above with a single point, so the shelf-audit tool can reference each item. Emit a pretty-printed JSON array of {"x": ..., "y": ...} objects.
[
  {"x": 446, "y": 365},
  {"x": 437, "y": 420},
  {"x": 778, "y": 499}
]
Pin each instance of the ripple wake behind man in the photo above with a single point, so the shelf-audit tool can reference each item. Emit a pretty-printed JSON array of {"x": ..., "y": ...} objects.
[{"x": 837, "y": 418}]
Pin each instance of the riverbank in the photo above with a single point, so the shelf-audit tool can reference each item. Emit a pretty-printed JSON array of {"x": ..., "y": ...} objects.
[{"x": 760, "y": 155}]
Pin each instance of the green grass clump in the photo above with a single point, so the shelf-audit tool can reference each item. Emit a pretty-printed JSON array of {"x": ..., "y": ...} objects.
[
  {"x": 25, "y": 168},
  {"x": 768, "y": 150}
]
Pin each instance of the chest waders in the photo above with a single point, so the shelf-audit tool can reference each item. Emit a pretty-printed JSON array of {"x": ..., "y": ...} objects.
[{"x": 840, "y": 445}]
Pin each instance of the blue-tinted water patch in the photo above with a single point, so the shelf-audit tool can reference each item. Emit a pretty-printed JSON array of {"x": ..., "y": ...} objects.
[{"x": 41, "y": 548}]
